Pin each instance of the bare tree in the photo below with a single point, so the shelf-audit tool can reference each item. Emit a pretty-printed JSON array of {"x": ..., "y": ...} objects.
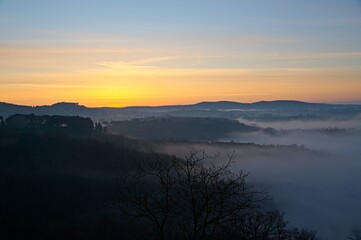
[
  {"x": 189, "y": 199},
  {"x": 212, "y": 195},
  {"x": 147, "y": 193},
  {"x": 355, "y": 233},
  {"x": 257, "y": 225},
  {"x": 302, "y": 234}
]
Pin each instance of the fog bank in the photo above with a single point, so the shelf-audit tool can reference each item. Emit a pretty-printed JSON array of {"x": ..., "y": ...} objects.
[{"x": 318, "y": 186}]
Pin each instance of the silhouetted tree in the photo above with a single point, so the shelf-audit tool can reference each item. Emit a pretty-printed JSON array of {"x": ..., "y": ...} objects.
[
  {"x": 255, "y": 225},
  {"x": 190, "y": 199},
  {"x": 2, "y": 124},
  {"x": 355, "y": 233},
  {"x": 302, "y": 234},
  {"x": 98, "y": 127},
  {"x": 149, "y": 193},
  {"x": 212, "y": 195},
  {"x": 31, "y": 123}
]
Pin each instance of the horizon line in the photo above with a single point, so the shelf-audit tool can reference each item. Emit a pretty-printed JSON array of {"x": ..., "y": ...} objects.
[{"x": 187, "y": 104}]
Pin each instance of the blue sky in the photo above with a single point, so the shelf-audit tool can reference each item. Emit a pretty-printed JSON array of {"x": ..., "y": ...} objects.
[{"x": 198, "y": 34}]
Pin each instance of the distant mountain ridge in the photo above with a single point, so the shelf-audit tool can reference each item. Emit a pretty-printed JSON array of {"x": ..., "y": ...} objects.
[
  {"x": 75, "y": 109},
  {"x": 200, "y": 105},
  {"x": 260, "y": 104}
]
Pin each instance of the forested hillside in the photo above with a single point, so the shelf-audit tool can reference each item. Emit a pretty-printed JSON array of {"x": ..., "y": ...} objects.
[{"x": 77, "y": 185}]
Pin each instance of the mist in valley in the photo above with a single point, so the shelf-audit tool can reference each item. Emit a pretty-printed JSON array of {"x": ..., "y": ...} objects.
[
  {"x": 316, "y": 183},
  {"x": 311, "y": 169},
  {"x": 180, "y": 120}
]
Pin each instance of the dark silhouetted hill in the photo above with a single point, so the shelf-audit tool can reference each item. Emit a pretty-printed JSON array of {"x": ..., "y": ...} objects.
[
  {"x": 225, "y": 109},
  {"x": 179, "y": 128}
]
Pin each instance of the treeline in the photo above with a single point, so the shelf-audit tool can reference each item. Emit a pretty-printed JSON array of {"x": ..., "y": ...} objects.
[
  {"x": 57, "y": 187},
  {"x": 196, "y": 199},
  {"x": 179, "y": 128},
  {"x": 30, "y": 123},
  {"x": 61, "y": 186}
]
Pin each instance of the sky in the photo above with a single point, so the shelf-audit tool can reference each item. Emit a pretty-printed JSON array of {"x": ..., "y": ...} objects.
[{"x": 159, "y": 52}]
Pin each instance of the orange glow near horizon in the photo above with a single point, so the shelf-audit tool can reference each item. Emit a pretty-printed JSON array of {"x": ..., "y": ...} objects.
[
  {"x": 152, "y": 55},
  {"x": 119, "y": 86},
  {"x": 158, "y": 76}
]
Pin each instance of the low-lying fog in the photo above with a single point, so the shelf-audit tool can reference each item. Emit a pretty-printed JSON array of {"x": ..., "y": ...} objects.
[
  {"x": 318, "y": 187},
  {"x": 309, "y": 124}
]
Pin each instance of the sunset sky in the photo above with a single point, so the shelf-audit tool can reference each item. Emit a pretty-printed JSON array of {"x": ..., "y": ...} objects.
[{"x": 157, "y": 52}]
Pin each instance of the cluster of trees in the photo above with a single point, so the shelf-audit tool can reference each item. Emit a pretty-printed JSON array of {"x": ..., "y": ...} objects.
[
  {"x": 179, "y": 128},
  {"x": 30, "y": 123},
  {"x": 99, "y": 128},
  {"x": 2, "y": 124},
  {"x": 196, "y": 199},
  {"x": 62, "y": 187},
  {"x": 355, "y": 233},
  {"x": 54, "y": 187}
]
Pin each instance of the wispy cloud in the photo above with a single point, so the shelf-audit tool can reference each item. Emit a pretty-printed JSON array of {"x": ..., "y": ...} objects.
[
  {"x": 181, "y": 61},
  {"x": 120, "y": 65},
  {"x": 153, "y": 62}
]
